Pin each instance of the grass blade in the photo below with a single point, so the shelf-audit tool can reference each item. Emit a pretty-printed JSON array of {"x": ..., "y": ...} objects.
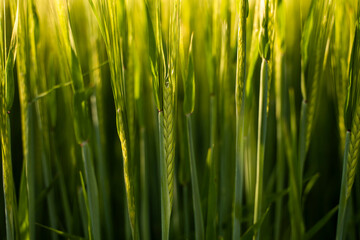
[
  {"x": 320, "y": 223},
  {"x": 61, "y": 233}
]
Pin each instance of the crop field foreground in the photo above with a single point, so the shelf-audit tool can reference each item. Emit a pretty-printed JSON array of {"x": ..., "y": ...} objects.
[{"x": 180, "y": 119}]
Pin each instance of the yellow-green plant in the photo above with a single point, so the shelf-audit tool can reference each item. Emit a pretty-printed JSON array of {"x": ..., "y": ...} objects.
[
  {"x": 239, "y": 97},
  {"x": 164, "y": 52},
  {"x": 81, "y": 110},
  {"x": 7, "y": 92},
  {"x": 204, "y": 155},
  {"x": 111, "y": 17},
  {"x": 26, "y": 67},
  {"x": 264, "y": 51},
  {"x": 352, "y": 140}
]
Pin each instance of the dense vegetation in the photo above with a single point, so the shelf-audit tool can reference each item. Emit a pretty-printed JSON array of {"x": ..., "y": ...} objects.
[{"x": 180, "y": 119}]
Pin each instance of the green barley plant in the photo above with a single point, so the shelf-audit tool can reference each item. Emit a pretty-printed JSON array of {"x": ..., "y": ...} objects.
[
  {"x": 164, "y": 52},
  {"x": 189, "y": 104},
  {"x": 97, "y": 100},
  {"x": 340, "y": 62},
  {"x": 312, "y": 70},
  {"x": 280, "y": 92},
  {"x": 212, "y": 66},
  {"x": 26, "y": 79},
  {"x": 81, "y": 120},
  {"x": 7, "y": 90},
  {"x": 249, "y": 102},
  {"x": 239, "y": 93},
  {"x": 351, "y": 141},
  {"x": 264, "y": 51},
  {"x": 111, "y": 17},
  {"x": 234, "y": 119}
]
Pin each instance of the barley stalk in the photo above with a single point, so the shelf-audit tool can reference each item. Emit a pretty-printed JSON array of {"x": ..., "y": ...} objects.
[
  {"x": 352, "y": 143},
  {"x": 262, "y": 124},
  {"x": 51, "y": 110},
  {"x": 102, "y": 168},
  {"x": 139, "y": 75},
  {"x": 42, "y": 123},
  {"x": 8, "y": 182},
  {"x": 212, "y": 209},
  {"x": 264, "y": 50},
  {"x": 239, "y": 93},
  {"x": 26, "y": 78},
  {"x": 211, "y": 229},
  {"x": 42, "y": 106},
  {"x": 249, "y": 112},
  {"x": 164, "y": 88},
  {"x": 121, "y": 123},
  {"x": 111, "y": 17},
  {"x": 212, "y": 159},
  {"x": 97, "y": 113},
  {"x": 7, "y": 90},
  {"x": 199, "y": 225},
  {"x": 281, "y": 118},
  {"x": 80, "y": 106},
  {"x": 316, "y": 37}
]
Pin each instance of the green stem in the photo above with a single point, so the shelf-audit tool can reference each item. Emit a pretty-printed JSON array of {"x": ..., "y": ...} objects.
[
  {"x": 186, "y": 213},
  {"x": 343, "y": 201},
  {"x": 63, "y": 189},
  {"x": 92, "y": 190},
  {"x": 50, "y": 196},
  {"x": 102, "y": 168},
  {"x": 83, "y": 209},
  {"x": 211, "y": 231},
  {"x": 280, "y": 170},
  {"x": 28, "y": 141},
  {"x": 144, "y": 190},
  {"x": 302, "y": 143},
  {"x": 239, "y": 100},
  {"x": 199, "y": 222},
  {"x": 239, "y": 172},
  {"x": 213, "y": 115},
  {"x": 45, "y": 160},
  {"x": 291, "y": 146},
  {"x": 8, "y": 180},
  {"x": 262, "y": 124},
  {"x": 212, "y": 197},
  {"x": 127, "y": 224}
]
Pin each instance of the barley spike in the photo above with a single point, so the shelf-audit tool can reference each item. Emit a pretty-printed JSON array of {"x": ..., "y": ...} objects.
[{"x": 169, "y": 137}]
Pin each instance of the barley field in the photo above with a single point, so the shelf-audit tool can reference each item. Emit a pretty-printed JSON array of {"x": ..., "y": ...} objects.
[{"x": 180, "y": 119}]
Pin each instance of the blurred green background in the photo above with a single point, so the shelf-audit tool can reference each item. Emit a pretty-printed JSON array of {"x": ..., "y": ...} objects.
[{"x": 214, "y": 24}]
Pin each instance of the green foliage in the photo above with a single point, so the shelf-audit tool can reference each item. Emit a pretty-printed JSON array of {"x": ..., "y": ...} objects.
[{"x": 209, "y": 119}]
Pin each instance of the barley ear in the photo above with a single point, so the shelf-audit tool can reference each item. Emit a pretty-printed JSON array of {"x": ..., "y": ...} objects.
[
  {"x": 353, "y": 111},
  {"x": 169, "y": 136}
]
